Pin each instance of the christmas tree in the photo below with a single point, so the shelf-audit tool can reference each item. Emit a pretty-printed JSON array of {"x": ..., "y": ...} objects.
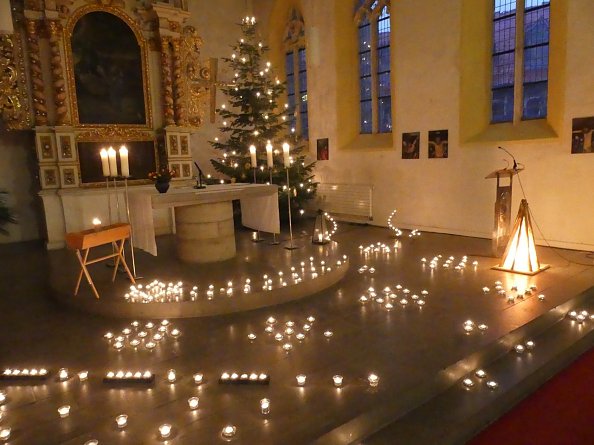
[{"x": 252, "y": 117}]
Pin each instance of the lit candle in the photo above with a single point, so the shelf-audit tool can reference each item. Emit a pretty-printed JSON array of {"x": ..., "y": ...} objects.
[
  {"x": 165, "y": 430},
  {"x": 229, "y": 431},
  {"x": 113, "y": 165},
  {"x": 63, "y": 374},
  {"x": 193, "y": 402},
  {"x": 2, "y": 397},
  {"x": 301, "y": 380},
  {"x": 265, "y": 406},
  {"x": 64, "y": 411},
  {"x": 286, "y": 157},
  {"x": 171, "y": 377},
  {"x": 337, "y": 380},
  {"x": 122, "y": 421},
  {"x": 373, "y": 380},
  {"x": 124, "y": 161},
  {"x": 4, "y": 434},
  {"x": 104, "y": 162},
  {"x": 269, "y": 158},
  {"x": 83, "y": 375},
  {"x": 253, "y": 156}
]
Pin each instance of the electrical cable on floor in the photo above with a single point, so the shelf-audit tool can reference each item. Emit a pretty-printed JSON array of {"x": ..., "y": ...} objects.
[{"x": 555, "y": 250}]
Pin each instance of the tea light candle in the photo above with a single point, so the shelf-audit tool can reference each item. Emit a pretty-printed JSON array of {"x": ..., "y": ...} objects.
[
  {"x": 373, "y": 380},
  {"x": 229, "y": 431},
  {"x": 64, "y": 411},
  {"x": 4, "y": 434},
  {"x": 271, "y": 321},
  {"x": 287, "y": 347},
  {"x": 165, "y": 430},
  {"x": 491, "y": 384},
  {"x": 529, "y": 345},
  {"x": 265, "y": 406},
  {"x": 193, "y": 402},
  {"x": 519, "y": 349},
  {"x": 104, "y": 162},
  {"x": 63, "y": 374},
  {"x": 480, "y": 374},
  {"x": 301, "y": 378},
  {"x": 468, "y": 383},
  {"x": 252, "y": 336},
  {"x": 96, "y": 223},
  {"x": 328, "y": 334},
  {"x": 198, "y": 378},
  {"x": 337, "y": 379},
  {"x": 171, "y": 377},
  {"x": 121, "y": 421},
  {"x": 92, "y": 442},
  {"x": 124, "y": 161},
  {"x": 83, "y": 375}
]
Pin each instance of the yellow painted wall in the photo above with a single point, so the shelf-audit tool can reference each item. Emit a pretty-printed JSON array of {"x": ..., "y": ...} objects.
[{"x": 441, "y": 80}]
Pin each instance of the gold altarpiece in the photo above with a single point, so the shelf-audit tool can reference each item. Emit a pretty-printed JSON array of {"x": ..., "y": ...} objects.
[{"x": 40, "y": 90}]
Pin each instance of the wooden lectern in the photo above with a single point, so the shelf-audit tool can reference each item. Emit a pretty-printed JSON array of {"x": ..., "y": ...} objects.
[
  {"x": 116, "y": 235},
  {"x": 503, "y": 203}
]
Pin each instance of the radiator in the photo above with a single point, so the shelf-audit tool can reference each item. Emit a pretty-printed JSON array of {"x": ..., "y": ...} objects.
[{"x": 347, "y": 202}]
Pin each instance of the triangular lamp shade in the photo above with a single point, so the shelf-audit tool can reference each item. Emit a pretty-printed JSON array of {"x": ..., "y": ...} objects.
[{"x": 520, "y": 253}]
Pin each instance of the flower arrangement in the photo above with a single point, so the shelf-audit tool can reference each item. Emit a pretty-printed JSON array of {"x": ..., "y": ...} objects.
[{"x": 163, "y": 175}]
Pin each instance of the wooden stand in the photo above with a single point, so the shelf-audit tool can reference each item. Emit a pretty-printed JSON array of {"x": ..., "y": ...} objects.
[{"x": 115, "y": 234}]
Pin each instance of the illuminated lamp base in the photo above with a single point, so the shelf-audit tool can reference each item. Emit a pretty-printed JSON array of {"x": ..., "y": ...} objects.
[{"x": 540, "y": 269}]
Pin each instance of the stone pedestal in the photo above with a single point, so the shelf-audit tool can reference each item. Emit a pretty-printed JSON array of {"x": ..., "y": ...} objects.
[{"x": 205, "y": 232}]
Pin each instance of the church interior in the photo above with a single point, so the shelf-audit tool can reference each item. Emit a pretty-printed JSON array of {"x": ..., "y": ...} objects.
[{"x": 296, "y": 222}]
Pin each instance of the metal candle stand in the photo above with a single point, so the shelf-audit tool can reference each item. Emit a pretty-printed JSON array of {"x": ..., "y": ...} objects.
[
  {"x": 291, "y": 246},
  {"x": 256, "y": 238},
  {"x": 131, "y": 229},
  {"x": 274, "y": 242}
]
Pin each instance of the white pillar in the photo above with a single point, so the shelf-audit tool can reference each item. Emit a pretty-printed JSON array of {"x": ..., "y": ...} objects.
[{"x": 5, "y": 17}]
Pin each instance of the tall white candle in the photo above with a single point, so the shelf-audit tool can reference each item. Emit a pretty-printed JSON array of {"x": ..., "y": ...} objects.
[
  {"x": 124, "y": 164},
  {"x": 269, "y": 157},
  {"x": 104, "y": 162},
  {"x": 113, "y": 165},
  {"x": 253, "y": 156},
  {"x": 286, "y": 158}
]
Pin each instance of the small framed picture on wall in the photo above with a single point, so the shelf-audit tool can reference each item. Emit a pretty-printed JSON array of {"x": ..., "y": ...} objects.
[
  {"x": 323, "y": 149},
  {"x": 581, "y": 135},
  {"x": 410, "y": 145},
  {"x": 438, "y": 144}
]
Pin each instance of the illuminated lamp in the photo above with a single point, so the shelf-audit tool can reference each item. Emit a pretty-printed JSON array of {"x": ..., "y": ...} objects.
[{"x": 520, "y": 253}]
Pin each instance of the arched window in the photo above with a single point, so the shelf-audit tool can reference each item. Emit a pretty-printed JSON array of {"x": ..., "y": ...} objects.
[
  {"x": 373, "y": 21},
  {"x": 520, "y": 59},
  {"x": 296, "y": 71}
]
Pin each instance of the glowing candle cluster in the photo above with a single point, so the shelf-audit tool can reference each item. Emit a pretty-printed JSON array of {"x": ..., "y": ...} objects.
[
  {"x": 580, "y": 316},
  {"x": 397, "y": 232},
  {"x": 389, "y": 297},
  {"x": 245, "y": 378},
  {"x": 121, "y": 377},
  {"x": 377, "y": 248},
  {"x": 24, "y": 374},
  {"x": 470, "y": 326},
  {"x": 138, "y": 336},
  {"x": 285, "y": 333},
  {"x": 520, "y": 348},
  {"x": 469, "y": 383},
  {"x": 448, "y": 263}
]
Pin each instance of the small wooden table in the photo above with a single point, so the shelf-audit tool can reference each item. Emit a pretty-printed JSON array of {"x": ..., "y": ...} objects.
[{"x": 115, "y": 234}]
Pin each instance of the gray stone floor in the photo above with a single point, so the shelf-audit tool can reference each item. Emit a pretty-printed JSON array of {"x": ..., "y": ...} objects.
[{"x": 405, "y": 347}]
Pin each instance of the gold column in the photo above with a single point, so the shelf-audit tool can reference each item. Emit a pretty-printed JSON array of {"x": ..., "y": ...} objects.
[
  {"x": 178, "y": 84},
  {"x": 55, "y": 32},
  {"x": 39, "y": 105},
  {"x": 168, "y": 114}
]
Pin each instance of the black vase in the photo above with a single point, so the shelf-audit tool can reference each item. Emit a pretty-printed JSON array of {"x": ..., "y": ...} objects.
[{"x": 162, "y": 187}]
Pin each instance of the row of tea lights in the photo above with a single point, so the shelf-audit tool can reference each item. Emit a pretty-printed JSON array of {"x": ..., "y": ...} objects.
[
  {"x": 580, "y": 316},
  {"x": 159, "y": 292},
  {"x": 514, "y": 293},
  {"x": 436, "y": 261}
]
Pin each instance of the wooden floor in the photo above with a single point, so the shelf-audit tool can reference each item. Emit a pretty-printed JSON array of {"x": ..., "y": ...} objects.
[{"x": 408, "y": 348}]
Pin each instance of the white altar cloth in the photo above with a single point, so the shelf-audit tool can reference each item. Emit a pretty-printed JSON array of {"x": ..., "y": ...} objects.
[{"x": 259, "y": 207}]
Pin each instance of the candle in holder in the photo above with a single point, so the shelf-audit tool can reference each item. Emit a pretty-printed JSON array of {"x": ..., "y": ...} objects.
[
  {"x": 165, "y": 430},
  {"x": 4, "y": 434},
  {"x": 96, "y": 223},
  {"x": 104, "y": 162},
  {"x": 229, "y": 432},
  {"x": 124, "y": 161},
  {"x": 193, "y": 402},
  {"x": 373, "y": 380},
  {"x": 64, "y": 411},
  {"x": 113, "y": 165},
  {"x": 198, "y": 378},
  {"x": 286, "y": 157},
  {"x": 171, "y": 376},
  {"x": 265, "y": 406},
  {"x": 269, "y": 158},
  {"x": 253, "y": 159},
  {"x": 122, "y": 421},
  {"x": 301, "y": 378},
  {"x": 337, "y": 380}
]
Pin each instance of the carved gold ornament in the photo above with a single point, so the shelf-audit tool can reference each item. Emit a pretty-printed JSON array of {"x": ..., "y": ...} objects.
[{"x": 14, "y": 107}]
